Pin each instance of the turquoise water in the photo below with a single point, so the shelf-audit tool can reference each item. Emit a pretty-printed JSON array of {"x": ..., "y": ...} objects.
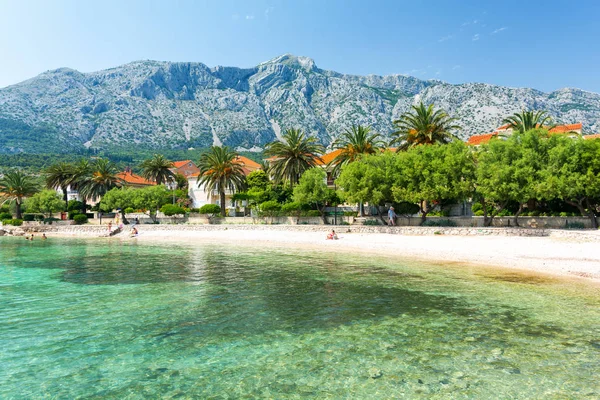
[{"x": 106, "y": 319}]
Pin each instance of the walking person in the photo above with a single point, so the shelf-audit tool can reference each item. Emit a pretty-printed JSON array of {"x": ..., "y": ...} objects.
[{"x": 391, "y": 217}]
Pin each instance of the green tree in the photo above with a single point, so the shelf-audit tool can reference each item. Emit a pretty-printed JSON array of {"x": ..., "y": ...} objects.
[
  {"x": 510, "y": 170},
  {"x": 119, "y": 198},
  {"x": 528, "y": 120},
  {"x": 158, "y": 169},
  {"x": 430, "y": 174},
  {"x": 59, "y": 176},
  {"x": 312, "y": 189},
  {"x": 102, "y": 177},
  {"x": 572, "y": 174},
  {"x": 423, "y": 125},
  {"x": 293, "y": 154},
  {"x": 150, "y": 199},
  {"x": 181, "y": 181},
  {"x": 46, "y": 202},
  {"x": 220, "y": 171},
  {"x": 370, "y": 180},
  {"x": 270, "y": 208},
  {"x": 14, "y": 187},
  {"x": 354, "y": 143},
  {"x": 82, "y": 175}
]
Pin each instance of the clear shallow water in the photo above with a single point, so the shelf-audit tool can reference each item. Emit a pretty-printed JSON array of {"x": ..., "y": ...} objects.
[{"x": 104, "y": 319}]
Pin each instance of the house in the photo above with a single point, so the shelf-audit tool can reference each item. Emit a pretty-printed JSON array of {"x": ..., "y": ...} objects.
[
  {"x": 571, "y": 130},
  {"x": 596, "y": 136},
  {"x": 134, "y": 180},
  {"x": 199, "y": 195}
]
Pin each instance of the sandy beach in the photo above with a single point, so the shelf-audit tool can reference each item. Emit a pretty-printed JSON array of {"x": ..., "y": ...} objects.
[{"x": 549, "y": 255}]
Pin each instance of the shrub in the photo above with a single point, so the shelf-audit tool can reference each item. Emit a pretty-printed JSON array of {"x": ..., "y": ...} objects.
[
  {"x": 371, "y": 222},
  {"x": 129, "y": 210},
  {"x": 349, "y": 213},
  {"x": 5, "y": 215},
  {"x": 28, "y": 217},
  {"x": 210, "y": 209},
  {"x": 479, "y": 213},
  {"x": 74, "y": 205},
  {"x": 439, "y": 222},
  {"x": 196, "y": 210},
  {"x": 73, "y": 213},
  {"x": 50, "y": 220},
  {"x": 311, "y": 213},
  {"x": 270, "y": 208},
  {"x": 564, "y": 214},
  {"x": 504, "y": 213},
  {"x": 574, "y": 225},
  {"x": 477, "y": 206},
  {"x": 13, "y": 222},
  {"x": 292, "y": 208},
  {"x": 406, "y": 208},
  {"x": 80, "y": 219},
  {"x": 171, "y": 209}
]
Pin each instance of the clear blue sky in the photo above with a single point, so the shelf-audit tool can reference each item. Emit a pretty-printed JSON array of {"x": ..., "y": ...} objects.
[{"x": 546, "y": 45}]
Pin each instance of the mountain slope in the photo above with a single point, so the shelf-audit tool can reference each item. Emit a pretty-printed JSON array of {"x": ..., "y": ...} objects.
[{"x": 180, "y": 105}]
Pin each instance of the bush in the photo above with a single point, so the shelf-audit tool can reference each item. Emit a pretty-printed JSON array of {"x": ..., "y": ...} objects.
[
  {"x": 28, "y": 217},
  {"x": 74, "y": 205},
  {"x": 439, "y": 222},
  {"x": 371, "y": 222},
  {"x": 574, "y": 225},
  {"x": 13, "y": 222},
  {"x": 478, "y": 213},
  {"x": 564, "y": 214},
  {"x": 406, "y": 208},
  {"x": 311, "y": 213},
  {"x": 171, "y": 209},
  {"x": 73, "y": 213},
  {"x": 80, "y": 219},
  {"x": 196, "y": 210},
  {"x": 477, "y": 206},
  {"x": 350, "y": 213},
  {"x": 129, "y": 210},
  {"x": 5, "y": 215},
  {"x": 212, "y": 209},
  {"x": 291, "y": 208},
  {"x": 270, "y": 208},
  {"x": 50, "y": 220}
]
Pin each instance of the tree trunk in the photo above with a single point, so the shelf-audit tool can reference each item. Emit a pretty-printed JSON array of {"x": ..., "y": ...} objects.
[
  {"x": 322, "y": 211},
  {"x": 222, "y": 197},
  {"x": 591, "y": 213},
  {"x": 424, "y": 211},
  {"x": 125, "y": 221},
  {"x": 18, "y": 209},
  {"x": 65, "y": 198},
  {"x": 519, "y": 211},
  {"x": 84, "y": 206},
  {"x": 486, "y": 221},
  {"x": 381, "y": 216},
  {"x": 361, "y": 210}
]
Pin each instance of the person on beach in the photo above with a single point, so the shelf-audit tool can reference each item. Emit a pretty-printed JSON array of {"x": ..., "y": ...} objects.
[
  {"x": 391, "y": 217},
  {"x": 109, "y": 226},
  {"x": 44, "y": 236},
  {"x": 332, "y": 235},
  {"x": 134, "y": 232}
]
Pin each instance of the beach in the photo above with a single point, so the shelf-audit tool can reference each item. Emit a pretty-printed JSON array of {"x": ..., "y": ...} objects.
[{"x": 553, "y": 254}]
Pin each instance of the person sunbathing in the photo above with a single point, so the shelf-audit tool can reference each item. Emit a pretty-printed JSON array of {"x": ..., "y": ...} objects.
[{"x": 332, "y": 235}]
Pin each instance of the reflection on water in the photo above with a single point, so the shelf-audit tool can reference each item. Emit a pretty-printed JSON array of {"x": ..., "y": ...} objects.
[{"x": 112, "y": 319}]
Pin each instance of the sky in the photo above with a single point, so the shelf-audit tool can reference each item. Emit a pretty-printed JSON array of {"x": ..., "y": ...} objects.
[{"x": 546, "y": 45}]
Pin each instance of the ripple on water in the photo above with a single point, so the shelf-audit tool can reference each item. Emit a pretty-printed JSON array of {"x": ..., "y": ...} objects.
[{"x": 104, "y": 319}]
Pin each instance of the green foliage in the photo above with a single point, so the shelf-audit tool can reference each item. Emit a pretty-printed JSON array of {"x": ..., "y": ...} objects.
[
  {"x": 270, "y": 208},
  {"x": 311, "y": 213},
  {"x": 293, "y": 208},
  {"x": 118, "y": 198},
  {"x": 210, "y": 209},
  {"x": 75, "y": 205},
  {"x": 257, "y": 180},
  {"x": 80, "y": 219},
  {"x": 149, "y": 198},
  {"x": 16, "y": 185},
  {"x": 46, "y": 202},
  {"x": 13, "y": 222},
  {"x": 129, "y": 210},
  {"x": 157, "y": 169},
  {"x": 528, "y": 120},
  {"x": 421, "y": 126},
  {"x": 50, "y": 220},
  {"x": 5, "y": 215},
  {"x": 26, "y": 138},
  {"x": 405, "y": 208},
  {"x": 98, "y": 178},
  {"x": 313, "y": 190},
  {"x": 439, "y": 222},
  {"x": 171, "y": 209},
  {"x": 294, "y": 154},
  {"x": 372, "y": 222},
  {"x": 353, "y": 144}
]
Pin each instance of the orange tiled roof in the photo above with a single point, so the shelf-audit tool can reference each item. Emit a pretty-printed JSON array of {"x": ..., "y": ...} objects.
[
  {"x": 327, "y": 158},
  {"x": 481, "y": 139},
  {"x": 566, "y": 128},
  {"x": 246, "y": 162},
  {"x": 503, "y": 127},
  {"x": 133, "y": 179},
  {"x": 179, "y": 164},
  {"x": 596, "y": 136}
]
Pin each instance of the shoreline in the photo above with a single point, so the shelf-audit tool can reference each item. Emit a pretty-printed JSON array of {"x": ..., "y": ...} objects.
[{"x": 566, "y": 254}]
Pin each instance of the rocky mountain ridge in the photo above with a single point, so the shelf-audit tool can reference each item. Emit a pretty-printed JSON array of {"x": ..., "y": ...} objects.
[{"x": 156, "y": 104}]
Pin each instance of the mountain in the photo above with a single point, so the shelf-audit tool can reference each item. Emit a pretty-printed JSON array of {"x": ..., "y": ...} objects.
[{"x": 153, "y": 104}]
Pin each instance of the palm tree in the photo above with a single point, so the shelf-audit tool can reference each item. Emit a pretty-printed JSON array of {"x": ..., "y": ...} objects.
[
  {"x": 158, "y": 169},
  {"x": 423, "y": 125},
  {"x": 16, "y": 185},
  {"x": 102, "y": 178},
  {"x": 220, "y": 171},
  {"x": 353, "y": 143},
  {"x": 292, "y": 155},
  {"x": 60, "y": 176},
  {"x": 528, "y": 120},
  {"x": 82, "y": 175}
]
